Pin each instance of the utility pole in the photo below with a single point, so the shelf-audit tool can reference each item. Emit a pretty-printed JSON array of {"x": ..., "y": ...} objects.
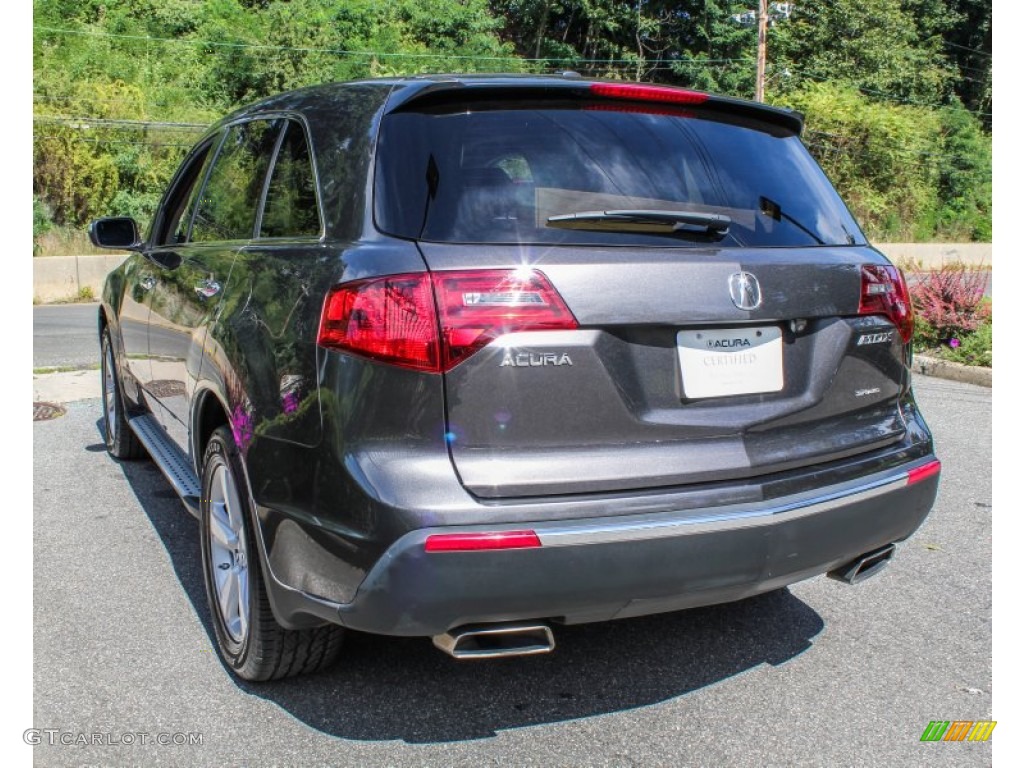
[{"x": 762, "y": 47}]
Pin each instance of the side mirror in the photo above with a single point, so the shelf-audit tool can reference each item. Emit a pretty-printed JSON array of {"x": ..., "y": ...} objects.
[{"x": 120, "y": 232}]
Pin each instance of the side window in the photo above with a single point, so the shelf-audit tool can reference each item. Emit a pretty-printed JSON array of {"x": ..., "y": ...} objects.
[
  {"x": 291, "y": 209},
  {"x": 227, "y": 207},
  {"x": 182, "y": 201}
]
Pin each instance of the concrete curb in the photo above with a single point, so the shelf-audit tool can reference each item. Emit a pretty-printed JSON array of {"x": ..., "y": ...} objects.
[{"x": 945, "y": 369}]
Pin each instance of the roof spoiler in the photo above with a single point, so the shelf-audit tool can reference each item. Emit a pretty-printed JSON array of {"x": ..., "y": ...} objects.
[{"x": 436, "y": 91}]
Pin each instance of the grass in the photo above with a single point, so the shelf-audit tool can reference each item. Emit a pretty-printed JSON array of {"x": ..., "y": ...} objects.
[
  {"x": 85, "y": 295},
  {"x": 974, "y": 348},
  {"x": 65, "y": 368},
  {"x": 65, "y": 241}
]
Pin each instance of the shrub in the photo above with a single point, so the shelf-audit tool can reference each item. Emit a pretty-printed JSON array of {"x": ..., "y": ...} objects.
[
  {"x": 973, "y": 349},
  {"x": 950, "y": 303},
  {"x": 42, "y": 222}
]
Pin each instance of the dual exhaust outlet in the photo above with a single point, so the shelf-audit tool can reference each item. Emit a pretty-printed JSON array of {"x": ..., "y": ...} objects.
[{"x": 492, "y": 641}]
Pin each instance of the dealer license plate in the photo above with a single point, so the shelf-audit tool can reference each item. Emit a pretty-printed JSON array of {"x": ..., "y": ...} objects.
[{"x": 730, "y": 361}]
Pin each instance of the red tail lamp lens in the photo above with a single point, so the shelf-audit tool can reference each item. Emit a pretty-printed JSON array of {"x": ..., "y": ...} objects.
[
  {"x": 883, "y": 291},
  {"x": 478, "y": 307},
  {"x": 391, "y": 319},
  {"x": 474, "y": 542},
  {"x": 648, "y": 93},
  {"x": 432, "y": 322}
]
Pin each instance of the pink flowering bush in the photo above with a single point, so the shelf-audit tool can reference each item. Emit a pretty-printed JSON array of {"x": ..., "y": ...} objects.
[{"x": 950, "y": 305}]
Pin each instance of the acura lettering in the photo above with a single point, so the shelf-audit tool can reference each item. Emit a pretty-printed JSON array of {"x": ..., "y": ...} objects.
[{"x": 515, "y": 359}]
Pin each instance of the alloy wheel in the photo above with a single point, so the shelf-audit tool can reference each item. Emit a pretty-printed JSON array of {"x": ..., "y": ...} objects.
[
  {"x": 229, "y": 563},
  {"x": 109, "y": 393}
]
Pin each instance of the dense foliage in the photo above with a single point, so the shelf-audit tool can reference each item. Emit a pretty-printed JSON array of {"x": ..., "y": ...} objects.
[
  {"x": 897, "y": 92},
  {"x": 953, "y": 318}
]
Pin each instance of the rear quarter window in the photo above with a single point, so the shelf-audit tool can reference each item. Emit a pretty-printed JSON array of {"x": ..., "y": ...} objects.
[
  {"x": 227, "y": 205},
  {"x": 291, "y": 207}
]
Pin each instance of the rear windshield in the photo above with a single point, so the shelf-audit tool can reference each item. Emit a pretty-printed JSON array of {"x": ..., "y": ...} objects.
[{"x": 498, "y": 174}]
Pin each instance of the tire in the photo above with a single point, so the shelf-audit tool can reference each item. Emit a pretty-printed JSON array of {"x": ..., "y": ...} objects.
[
  {"x": 121, "y": 441},
  {"x": 249, "y": 639}
]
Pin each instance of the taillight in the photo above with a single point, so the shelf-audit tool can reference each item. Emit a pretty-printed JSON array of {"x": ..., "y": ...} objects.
[
  {"x": 391, "y": 319},
  {"x": 648, "y": 93},
  {"x": 395, "y": 319},
  {"x": 479, "y": 306},
  {"x": 883, "y": 291}
]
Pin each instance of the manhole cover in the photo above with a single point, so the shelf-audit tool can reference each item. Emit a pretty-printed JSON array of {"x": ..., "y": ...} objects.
[
  {"x": 46, "y": 411},
  {"x": 167, "y": 388}
]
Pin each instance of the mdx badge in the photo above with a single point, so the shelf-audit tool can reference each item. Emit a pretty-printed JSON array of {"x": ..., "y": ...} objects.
[
  {"x": 874, "y": 338},
  {"x": 744, "y": 290}
]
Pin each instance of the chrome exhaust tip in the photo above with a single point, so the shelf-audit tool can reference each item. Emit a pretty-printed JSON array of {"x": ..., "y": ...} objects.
[
  {"x": 492, "y": 641},
  {"x": 865, "y": 566}
]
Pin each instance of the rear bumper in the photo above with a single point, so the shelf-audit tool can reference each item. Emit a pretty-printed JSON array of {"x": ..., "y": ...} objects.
[{"x": 612, "y": 567}]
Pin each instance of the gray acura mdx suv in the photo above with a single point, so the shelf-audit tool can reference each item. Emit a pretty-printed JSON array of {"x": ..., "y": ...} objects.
[{"x": 471, "y": 357}]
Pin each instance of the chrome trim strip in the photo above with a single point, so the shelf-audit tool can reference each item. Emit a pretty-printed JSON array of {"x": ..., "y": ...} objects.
[{"x": 734, "y": 517}]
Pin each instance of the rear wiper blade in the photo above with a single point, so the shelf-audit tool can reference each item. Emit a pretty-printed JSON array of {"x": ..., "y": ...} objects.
[
  {"x": 642, "y": 220},
  {"x": 773, "y": 210}
]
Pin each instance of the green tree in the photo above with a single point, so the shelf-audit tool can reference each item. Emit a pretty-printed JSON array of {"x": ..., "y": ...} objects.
[
  {"x": 897, "y": 92},
  {"x": 875, "y": 45},
  {"x": 969, "y": 45}
]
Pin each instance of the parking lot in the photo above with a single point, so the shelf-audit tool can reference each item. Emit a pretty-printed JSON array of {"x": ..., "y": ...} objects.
[{"x": 819, "y": 674}]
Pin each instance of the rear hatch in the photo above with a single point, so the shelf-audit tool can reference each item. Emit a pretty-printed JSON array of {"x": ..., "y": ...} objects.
[{"x": 727, "y": 317}]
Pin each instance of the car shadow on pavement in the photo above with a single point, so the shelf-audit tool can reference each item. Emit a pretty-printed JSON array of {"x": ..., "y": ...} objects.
[{"x": 386, "y": 688}]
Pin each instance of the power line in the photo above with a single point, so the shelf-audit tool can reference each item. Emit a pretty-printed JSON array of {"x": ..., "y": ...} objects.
[
  {"x": 823, "y": 149},
  {"x": 964, "y": 47},
  {"x": 863, "y": 151},
  {"x": 867, "y": 153},
  {"x": 889, "y": 96},
  {"x": 346, "y": 52},
  {"x": 88, "y": 122},
  {"x": 114, "y": 99},
  {"x": 853, "y": 139},
  {"x": 111, "y": 141},
  {"x": 965, "y": 68},
  {"x": 910, "y": 101},
  {"x": 975, "y": 80}
]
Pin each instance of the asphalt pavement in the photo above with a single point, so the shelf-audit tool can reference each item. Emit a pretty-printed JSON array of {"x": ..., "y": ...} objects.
[
  {"x": 65, "y": 335},
  {"x": 818, "y": 674}
]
